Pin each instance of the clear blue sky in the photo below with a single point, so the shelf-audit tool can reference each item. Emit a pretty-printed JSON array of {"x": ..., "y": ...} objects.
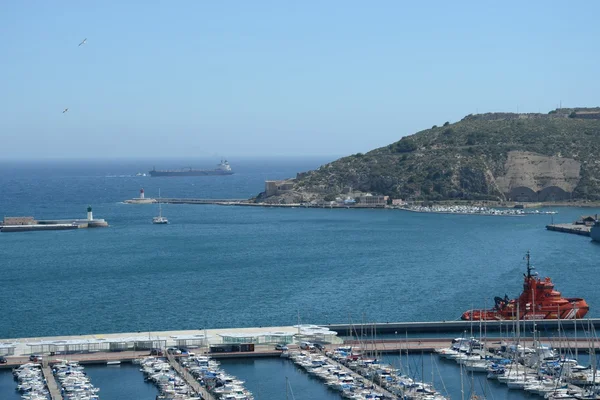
[{"x": 251, "y": 78}]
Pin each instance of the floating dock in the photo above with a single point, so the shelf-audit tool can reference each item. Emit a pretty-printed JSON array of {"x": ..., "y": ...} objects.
[
  {"x": 576, "y": 229},
  {"x": 51, "y": 383},
  {"x": 189, "y": 379}
]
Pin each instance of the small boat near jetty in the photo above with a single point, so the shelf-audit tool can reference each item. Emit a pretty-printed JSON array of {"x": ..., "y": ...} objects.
[
  {"x": 160, "y": 219},
  {"x": 539, "y": 300}
]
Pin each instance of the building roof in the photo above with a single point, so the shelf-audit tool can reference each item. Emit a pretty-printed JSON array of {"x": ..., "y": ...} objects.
[
  {"x": 315, "y": 330},
  {"x": 190, "y": 337},
  {"x": 254, "y": 334},
  {"x": 72, "y": 342}
]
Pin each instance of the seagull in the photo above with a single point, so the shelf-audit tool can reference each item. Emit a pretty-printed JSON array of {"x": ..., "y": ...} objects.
[
  {"x": 65, "y": 110},
  {"x": 82, "y": 42}
]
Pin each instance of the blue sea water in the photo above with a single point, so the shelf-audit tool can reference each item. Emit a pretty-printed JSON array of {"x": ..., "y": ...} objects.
[
  {"x": 225, "y": 266},
  {"x": 218, "y": 266},
  {"x": 8, "y": 386},
  {"x": 266, "y": 379},
  {"x": 117, "y": 382}
]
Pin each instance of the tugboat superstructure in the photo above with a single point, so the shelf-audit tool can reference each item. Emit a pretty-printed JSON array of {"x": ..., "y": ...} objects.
[{"x": 539, "y": 300}]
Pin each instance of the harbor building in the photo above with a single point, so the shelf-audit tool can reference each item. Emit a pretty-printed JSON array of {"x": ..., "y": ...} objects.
[
  {"x": 71, "y": 346},
  {"x": 19, "y": 221},
  {"x": 587, "y": 220},
  {"x": 257, "y": 337},
  {"x": 7, "y": 349},
  {"x": 191, "y": 341},
  {"x": 274, "y": 188},
  {"x": 372, "y": 201}
]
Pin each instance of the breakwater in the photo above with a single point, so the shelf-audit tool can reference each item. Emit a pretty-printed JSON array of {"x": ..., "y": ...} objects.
[
  {"x": 221, "y": 342},
  {"x": 28, "y": 224}
]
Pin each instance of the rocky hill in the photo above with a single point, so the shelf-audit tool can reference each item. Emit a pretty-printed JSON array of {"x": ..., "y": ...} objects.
[{"x": 494, "y": 156}]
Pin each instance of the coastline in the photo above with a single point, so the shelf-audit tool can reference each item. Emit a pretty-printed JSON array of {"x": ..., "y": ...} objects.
[{"x": 460, "y": 208}]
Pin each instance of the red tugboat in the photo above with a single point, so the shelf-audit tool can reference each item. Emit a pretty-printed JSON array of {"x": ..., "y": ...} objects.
[{"x": 539, "y": 300}]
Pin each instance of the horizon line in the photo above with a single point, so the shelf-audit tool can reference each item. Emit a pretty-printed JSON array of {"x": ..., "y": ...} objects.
[{"x": 149, "y": 158}]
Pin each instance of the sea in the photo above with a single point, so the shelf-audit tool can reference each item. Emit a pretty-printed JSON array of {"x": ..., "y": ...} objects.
[{"x": 228, "y": 266}]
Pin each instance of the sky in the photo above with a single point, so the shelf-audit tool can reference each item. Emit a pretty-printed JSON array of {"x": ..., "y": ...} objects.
[{"x": 191, "y": 78}]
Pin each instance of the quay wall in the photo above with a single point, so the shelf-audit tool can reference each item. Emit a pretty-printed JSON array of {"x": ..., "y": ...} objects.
[
  {"x": 40, "y": 227},
  {"x": 458, "y": 326},
  {"x": 570, "y": 228}
]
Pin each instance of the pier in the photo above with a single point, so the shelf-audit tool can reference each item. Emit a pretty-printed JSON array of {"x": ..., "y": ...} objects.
[
  {"x": 360, "y": 378},
  {"x": 576, "y": 229},
  {"x": 51, "y": 383},
  {"x": 189, "y": 379},
  {"x": 200, "y": 201}
]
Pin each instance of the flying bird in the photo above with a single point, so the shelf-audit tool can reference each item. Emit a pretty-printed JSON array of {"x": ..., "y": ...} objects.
[
  {"x": 65, "y": 110},
  {"x": 82, "y": 42}
]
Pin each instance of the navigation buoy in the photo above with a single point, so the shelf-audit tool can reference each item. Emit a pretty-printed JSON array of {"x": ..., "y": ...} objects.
[
  {"x": 142, "y": 193},
  {"x": 90, "y": 217}
]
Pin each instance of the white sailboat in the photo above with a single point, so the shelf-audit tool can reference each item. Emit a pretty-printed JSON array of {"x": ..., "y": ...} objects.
[{"x": 160, "y": 219}]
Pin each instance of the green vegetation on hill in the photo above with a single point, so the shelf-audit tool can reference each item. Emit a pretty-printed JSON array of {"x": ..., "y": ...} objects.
[{"x": 462, "y": 160}]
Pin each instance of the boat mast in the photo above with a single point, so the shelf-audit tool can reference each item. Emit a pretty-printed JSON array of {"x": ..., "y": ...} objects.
[
  {"x": 575, "y": 330},
  {"x": 560, "y": 341},
  {"x": 592, "y": 331},
  {"x": 159, "y": 204},
  {"x": 529, "y": 267}
]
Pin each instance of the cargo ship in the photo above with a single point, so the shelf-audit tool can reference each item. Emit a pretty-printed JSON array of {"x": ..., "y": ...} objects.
[
  {"x": 222, "y": 169},
  {"x": 539, "y": 300}
]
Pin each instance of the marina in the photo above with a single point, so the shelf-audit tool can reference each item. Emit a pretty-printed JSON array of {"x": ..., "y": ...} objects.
[
  {"x": 472, "y": 210},
  {"x": 184, "y": 364},
  {"x": 168, "y": 380},
  {"x": 74, "y": 382}
]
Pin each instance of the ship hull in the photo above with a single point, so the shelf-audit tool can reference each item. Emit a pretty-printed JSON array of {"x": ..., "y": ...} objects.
[
  {"x": 188, "y": 173},
  {"x": 595, "y": 233},
  {"x": 572, "y": 308}
]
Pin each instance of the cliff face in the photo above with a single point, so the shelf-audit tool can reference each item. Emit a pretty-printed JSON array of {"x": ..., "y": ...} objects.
[
  {"x": 496, "y": 156},
  {"x": 547, "y": 176}
]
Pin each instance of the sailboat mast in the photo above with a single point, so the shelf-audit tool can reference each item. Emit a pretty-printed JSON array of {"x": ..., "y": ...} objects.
[
  {"x": 575, "y": 330},
  {"x": 159, "y": 204}
]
